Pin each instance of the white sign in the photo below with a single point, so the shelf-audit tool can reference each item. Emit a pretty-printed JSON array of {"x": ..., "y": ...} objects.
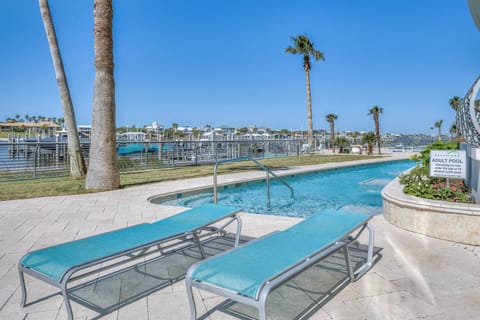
[{"x": 448, "y": 164}]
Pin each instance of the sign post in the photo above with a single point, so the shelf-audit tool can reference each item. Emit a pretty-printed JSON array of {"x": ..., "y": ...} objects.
[{"x": 448, "y": 164}]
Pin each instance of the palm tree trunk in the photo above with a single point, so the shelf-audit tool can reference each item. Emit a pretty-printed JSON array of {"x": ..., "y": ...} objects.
[
  {"x": 102, "y": 171},
  {"x": 377, "y": 131},
  {"x": 309, "y": 110},
  {"x": 332, "y": 135},
  {"x": 77, "y": 163}
]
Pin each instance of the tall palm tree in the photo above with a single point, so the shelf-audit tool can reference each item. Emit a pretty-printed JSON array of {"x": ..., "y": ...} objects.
[
  {"x": 438, "y": 125},
  {"x": 376, "y": 111},
  {"x": 103, "y": 171},
  {"x": 455, "y": 102},
  {"x": 331, "y": 120},
  {"x": 303, "y": 46},
  {"x": 77, "y": 163}
]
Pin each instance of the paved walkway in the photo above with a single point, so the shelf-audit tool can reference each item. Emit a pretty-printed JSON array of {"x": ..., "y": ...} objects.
[{"x": 416, "y": 277}]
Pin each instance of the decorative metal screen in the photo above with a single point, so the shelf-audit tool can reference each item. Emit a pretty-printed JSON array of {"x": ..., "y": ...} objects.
[{"x": 468, "y": 116}]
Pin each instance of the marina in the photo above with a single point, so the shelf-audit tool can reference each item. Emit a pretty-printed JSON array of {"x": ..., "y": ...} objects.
[{"x": 20, "y": 159}]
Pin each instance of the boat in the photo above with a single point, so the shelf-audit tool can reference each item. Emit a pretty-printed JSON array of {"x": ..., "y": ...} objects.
[{"x": 123, "y": 150}]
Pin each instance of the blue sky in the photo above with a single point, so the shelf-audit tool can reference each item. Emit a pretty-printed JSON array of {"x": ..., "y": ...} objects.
[{"x": 222, "y": 62}]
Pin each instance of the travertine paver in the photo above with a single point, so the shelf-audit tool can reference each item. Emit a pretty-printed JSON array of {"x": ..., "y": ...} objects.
[{"x": 416, "y": 277}]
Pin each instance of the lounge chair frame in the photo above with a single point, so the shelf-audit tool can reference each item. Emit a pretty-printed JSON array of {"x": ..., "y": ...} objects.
[
  {"x": 261, "y": 298},
  {"x": 174, "y": 243}
]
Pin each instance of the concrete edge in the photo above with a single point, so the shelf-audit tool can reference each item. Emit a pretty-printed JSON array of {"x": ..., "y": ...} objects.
[{"x": 457, "y": 222}]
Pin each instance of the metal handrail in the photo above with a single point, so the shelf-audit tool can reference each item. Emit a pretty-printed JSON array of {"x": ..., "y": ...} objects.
[{"x": 261, "y": 166}]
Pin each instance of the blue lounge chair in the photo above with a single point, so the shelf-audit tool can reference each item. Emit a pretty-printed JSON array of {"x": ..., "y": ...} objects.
[
  {"x": 277, "y": 258},
  {"x": 58, "y": 264}
]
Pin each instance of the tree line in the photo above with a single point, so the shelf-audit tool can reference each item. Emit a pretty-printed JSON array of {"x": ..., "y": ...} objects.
[{"x": 35, "y": 119}]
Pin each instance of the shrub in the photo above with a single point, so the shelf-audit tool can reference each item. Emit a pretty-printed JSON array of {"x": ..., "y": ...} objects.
[{"x": 417, "y": 182}]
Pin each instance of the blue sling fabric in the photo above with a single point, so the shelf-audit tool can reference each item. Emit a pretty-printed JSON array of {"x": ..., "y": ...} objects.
[
  {"x": 196, "y": 217},
  {"x": 244, "y": 269},
  {"x": 54, "y": 262}
]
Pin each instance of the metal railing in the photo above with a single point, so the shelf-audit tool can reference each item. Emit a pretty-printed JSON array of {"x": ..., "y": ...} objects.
[
  {"x": 261, "y": 166},
  {"x": 20, "y": 159}
]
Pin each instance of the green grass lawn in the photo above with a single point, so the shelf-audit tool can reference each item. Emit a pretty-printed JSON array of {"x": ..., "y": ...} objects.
[{"x": 24, "y": 189}]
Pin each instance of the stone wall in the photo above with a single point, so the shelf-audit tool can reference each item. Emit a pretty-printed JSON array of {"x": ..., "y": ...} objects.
[{"x": 458, "y": 222}]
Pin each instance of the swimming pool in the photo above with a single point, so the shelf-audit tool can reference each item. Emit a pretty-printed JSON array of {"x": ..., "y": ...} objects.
[{"x": 355, "y": 189}]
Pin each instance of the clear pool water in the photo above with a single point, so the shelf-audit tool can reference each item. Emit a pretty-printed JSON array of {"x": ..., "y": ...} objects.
[{"x": 355, "y": 189}]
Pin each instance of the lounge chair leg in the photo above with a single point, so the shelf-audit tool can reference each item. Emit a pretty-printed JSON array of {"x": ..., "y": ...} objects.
[
  {"x": 239, "y": 230},
  {"x": 68, "y": 306},
  {"x": 368, "y": 264},
  {"x": 346, "y": 253},
  {"x": 371, "y": 241},
  {"x": 22, "y": 286},
  {"x": 262, "y": 312},
  {"x": 197, "y": 241},
  {"x": 191, "y": 300}
]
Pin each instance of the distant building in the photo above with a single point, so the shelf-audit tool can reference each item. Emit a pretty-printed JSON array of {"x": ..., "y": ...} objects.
[
  {"x": 184, "y": 130},
  {"x": 227, "y": 130},
  {"x": 84, "y": 129},
  {"x": 132, "y": 136}
]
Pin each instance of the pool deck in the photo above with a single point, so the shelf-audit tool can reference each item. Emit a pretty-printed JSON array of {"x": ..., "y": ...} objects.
[{"x": 415, "y": 277}]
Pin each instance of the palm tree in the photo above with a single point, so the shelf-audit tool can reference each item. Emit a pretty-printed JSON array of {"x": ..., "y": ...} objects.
[
  {"x": 331, "y": 120},
  {"x": 355, "y": 135},
  {"x": 103, "y": 171},
  {"x": 61, "y": 122},
  {"x": 303, "y": 46},
  {"x": 455, "y": 102},
  {"x": 342, "y": 143},
  {"x": 369, "y": 139},
  {"x": 168, "y": 133},
  {"x": 453, "y": 130},
  {"x": 174, "y": 129},
  {"x": 376, "y": 111},
  {"x": 438, "y": 125},
  {"x": 77, "y": 164}
]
